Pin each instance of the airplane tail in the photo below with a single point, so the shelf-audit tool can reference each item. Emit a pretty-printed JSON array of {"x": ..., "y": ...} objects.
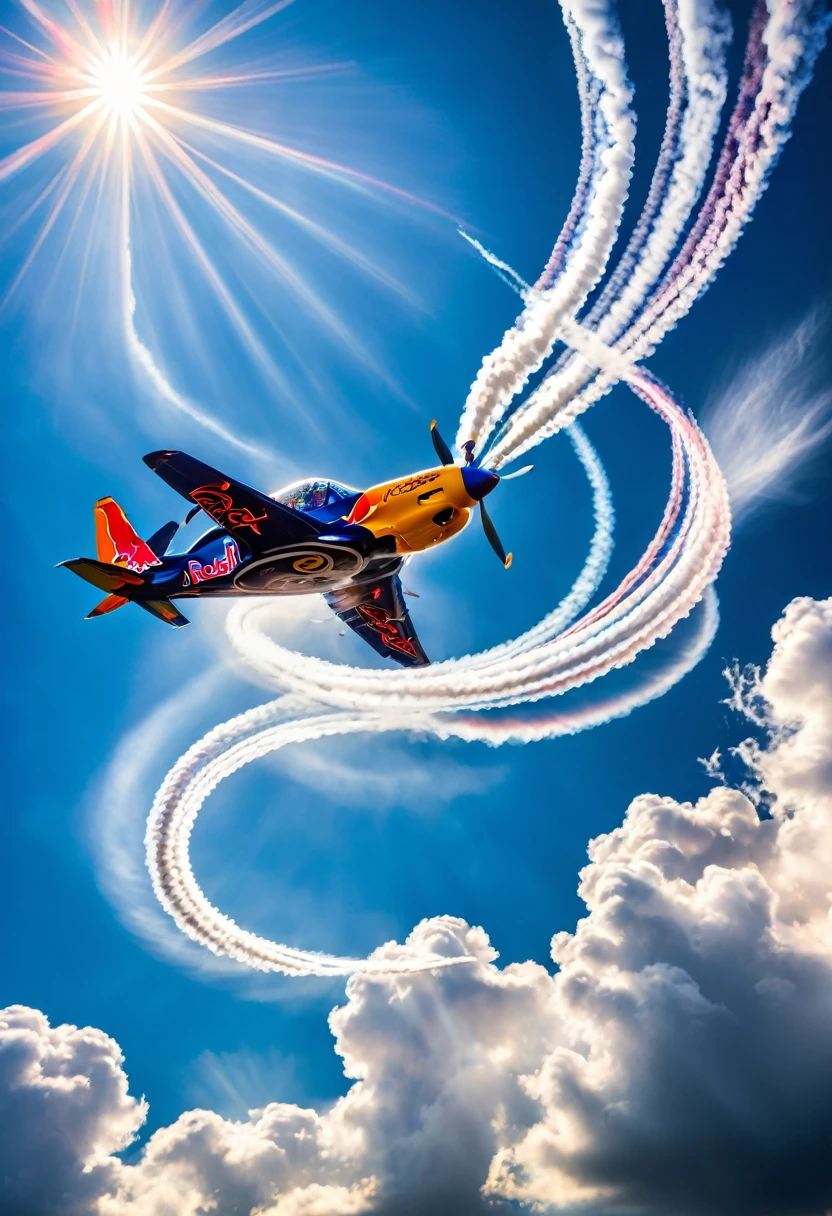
[
  {"x": 122, "y": 558},
  {"x": 121, "y": 585}
]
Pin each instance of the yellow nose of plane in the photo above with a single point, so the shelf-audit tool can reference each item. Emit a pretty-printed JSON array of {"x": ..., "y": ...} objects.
[{"x": 421, "y": 510}]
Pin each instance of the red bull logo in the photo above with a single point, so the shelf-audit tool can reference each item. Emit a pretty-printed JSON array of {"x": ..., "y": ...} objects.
[
  {"x": 117, "y": 541},
  {"x": 218, "y": 503},
  {"x": 383, "y": 623},
  {"x": 199, "y": 573}
]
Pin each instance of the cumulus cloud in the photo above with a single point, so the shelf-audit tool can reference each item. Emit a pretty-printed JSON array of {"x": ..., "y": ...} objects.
[
  {"x": 771, "y": 417},
  {"x": 64, "y": 1112},
  {"x": 677, "y": 1061}
]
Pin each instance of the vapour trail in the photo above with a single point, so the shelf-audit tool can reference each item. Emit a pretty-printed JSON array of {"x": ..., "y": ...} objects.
[
  {"x": 588, "y": 98},
  {"x": 529, "y": 341},
  {"x": 260, "y": 732},
  {"x": 690, "y": 543},
  {"x": 782, "y": 49},
  {"x": 482, "y": 696},
  {"x": 698, "y": 35},
  {"x": 139, "y": 352}
]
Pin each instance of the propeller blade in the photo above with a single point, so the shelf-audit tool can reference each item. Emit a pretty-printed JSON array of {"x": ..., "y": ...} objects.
[
  {"x": 493, "y": 538},
  {"x": 520, "y": 473},
  {"x": 442, "y": 449},
  {"x": 193, "y": 511},
  {"x": 468, "y": 448}
]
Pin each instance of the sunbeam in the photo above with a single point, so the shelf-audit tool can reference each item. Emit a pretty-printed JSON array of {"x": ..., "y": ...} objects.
[{"x": 99, "y": 85}]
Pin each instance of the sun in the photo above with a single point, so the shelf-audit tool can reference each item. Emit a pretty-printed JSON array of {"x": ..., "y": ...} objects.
[{"x": 118, "y": 81}]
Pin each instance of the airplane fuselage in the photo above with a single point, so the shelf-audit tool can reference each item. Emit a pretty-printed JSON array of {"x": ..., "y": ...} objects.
[{"x": 372, "y": 534}]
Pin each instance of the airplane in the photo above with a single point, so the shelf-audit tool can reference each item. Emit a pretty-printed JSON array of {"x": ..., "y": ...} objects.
[{"x": 314, "y": 536}]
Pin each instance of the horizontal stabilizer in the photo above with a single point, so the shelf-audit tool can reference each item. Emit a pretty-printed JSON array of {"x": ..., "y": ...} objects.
[
  {"x": 108, "y": 605},
  {"x": 164, "y": 610},
  {"x": 103, "y": 575}
]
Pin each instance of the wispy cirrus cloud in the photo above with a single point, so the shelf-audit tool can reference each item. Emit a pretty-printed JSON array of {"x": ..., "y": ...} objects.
[{"x": 768, "y": 421}]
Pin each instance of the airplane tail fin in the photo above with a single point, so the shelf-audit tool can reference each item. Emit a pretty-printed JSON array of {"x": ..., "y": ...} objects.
[
  {"x": 117, "y": 542},
  {"x": 122, "y": 558}
]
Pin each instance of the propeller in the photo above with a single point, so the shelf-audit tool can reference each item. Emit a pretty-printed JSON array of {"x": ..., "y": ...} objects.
[
  {"x": 493, "y": 539},
  {"x": 478, "y": 482},
  {"x": 527, "y": 468},
  {"x": 442, "y": 449}
]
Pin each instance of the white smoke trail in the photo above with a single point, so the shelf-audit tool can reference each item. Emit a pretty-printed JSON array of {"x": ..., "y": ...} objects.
[
  {"x": 264, "y": 730},
  {"x": 530, "y": 340},
  {"x": 704, "y": 33},
  {"x": 666, "y": 585},
  {"x": 677, "y": 569},
  {"x": 698, "y": 34},
  {"x": 588, "y": 98},
  {"x": 790, "y": 40},
  {"x": 140, "y": 353},
  {"x": 507, "y": 273},
  {"x": 668, "y": 152},
  {"x": 144, "y": 360}
]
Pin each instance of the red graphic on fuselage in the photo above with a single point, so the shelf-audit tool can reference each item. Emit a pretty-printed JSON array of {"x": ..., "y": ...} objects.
[
  {"x": 216, "y": 502},
  {"x": 383, "y": 623},
  {"x": 198, "y": 573}
]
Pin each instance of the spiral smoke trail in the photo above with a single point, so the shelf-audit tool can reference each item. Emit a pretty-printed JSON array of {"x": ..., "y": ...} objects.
[{"x": 574, "y": 644}]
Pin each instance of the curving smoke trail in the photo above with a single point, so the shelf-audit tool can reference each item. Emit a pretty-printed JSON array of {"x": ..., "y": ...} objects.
[
  {"x": 530, "y": 340},
  {"x": 144, "y": 359},
  {"x": 477, "y": 697},
  {"x": 664, "y": 587},
  {"x": 782, "y": 47},
  {"x": 588, "y": 98}
]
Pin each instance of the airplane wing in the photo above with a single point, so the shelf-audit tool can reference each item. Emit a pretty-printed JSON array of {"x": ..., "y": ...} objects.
[
  {"x": 246, "y": 513},
  {"x": 376, "y": 611}
]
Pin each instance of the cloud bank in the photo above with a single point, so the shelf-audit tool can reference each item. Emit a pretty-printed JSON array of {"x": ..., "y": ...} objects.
[{"x": 677, "y": 1061}]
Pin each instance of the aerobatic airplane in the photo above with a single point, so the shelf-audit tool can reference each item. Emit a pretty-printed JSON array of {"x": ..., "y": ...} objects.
[{"x": 312, "y": 536}]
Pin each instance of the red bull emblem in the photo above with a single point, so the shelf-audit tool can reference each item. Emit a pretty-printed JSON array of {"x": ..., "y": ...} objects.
[
  {"x": 118, "y": 542},
  {"x": 197, "y": 573},
  {"x": 383, "y": 623},
  {"x": 218, "y": 503}
]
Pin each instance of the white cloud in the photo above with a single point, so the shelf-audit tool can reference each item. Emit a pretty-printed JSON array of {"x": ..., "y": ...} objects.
[
  {"x": 678, "y": 1061},
  {"x": 771, "y": 417},
  {"x": 64, "y": 1111}
]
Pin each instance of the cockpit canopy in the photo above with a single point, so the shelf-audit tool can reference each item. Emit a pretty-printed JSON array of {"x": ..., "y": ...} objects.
[{"x": 312, "y": 495}]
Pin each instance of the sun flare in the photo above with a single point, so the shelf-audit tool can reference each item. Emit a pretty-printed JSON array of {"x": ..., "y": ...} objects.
[{"x": 118, "y": 81}]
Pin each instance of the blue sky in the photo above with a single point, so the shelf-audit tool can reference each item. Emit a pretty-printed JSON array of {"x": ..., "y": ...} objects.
[{"x": 475, "y": 112}]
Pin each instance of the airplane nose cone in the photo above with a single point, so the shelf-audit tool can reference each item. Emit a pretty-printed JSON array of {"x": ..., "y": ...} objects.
[{"x": 478, "y": 482}]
